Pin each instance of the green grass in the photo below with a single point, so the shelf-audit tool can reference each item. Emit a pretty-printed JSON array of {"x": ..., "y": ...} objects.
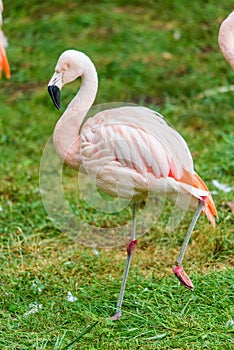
[{"x": 163, "y": 54}]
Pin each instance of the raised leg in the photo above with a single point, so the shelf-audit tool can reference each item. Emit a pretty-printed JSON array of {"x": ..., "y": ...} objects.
[
  {"x": 178, "y": 269},
  {"x": 130, "y": 251}
]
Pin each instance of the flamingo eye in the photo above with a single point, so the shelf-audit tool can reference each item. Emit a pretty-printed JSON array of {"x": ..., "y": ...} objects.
[{"x": 66, "y": 66}]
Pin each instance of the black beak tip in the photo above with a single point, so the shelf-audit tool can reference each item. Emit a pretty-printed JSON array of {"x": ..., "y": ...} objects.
[{"x": 54, "y": 93}]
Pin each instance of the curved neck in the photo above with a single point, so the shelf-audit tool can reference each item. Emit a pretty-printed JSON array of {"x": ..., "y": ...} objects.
[
  {"x": 66, "y": 133},
  {"x": 87, "y": 92}
]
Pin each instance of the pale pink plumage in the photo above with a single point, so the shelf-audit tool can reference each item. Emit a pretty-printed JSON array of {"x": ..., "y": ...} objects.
[
  {"x": 226, "y": 39},
  {"x": 140, "y": 148},
  {"x": 126, "y": 151},
  {"x": 134, "y": 143}
]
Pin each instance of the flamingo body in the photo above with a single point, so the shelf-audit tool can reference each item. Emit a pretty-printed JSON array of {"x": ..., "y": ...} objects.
[
  {"x": 4, "y": 65},
  {"x": 128, "y": 151},
  {"x": 131, "y": 143},
  {"x": 226, "y": 39},
  {"x": 143, "y": 150}
]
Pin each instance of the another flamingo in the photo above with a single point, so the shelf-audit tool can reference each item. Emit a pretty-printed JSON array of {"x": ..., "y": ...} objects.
[
  {"x": 226, "y": 39},
  {"x": 4, "y": 65},
  {"x": 126, "y": 143}
]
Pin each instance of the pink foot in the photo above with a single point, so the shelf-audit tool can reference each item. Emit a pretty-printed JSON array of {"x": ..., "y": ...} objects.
[
  {"x": 116, "y": 316},
  {"x": 183, "y": 277}
]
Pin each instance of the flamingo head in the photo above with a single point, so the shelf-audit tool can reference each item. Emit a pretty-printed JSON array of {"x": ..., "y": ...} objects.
[{"x": 70, "y": 66}]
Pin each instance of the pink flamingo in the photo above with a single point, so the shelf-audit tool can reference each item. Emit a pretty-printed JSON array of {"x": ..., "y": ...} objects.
[
  {"x": 131, "y": 143},
  {"x": 226, "y": 44},
  {"x": 4, "y": 65},
  {"x": 225, "y": 39}
]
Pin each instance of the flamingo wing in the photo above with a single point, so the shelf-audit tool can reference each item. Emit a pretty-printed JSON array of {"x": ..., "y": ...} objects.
[
  {"x": 135, "y": 146},
  {"x": 138, "y": 138}
]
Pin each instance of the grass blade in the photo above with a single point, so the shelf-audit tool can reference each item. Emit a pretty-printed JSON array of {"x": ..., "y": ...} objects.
[{"x": 86, "y": 330}]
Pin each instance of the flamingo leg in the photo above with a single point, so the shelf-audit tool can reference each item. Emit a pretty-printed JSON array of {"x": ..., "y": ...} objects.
[
  {"x": 178, "y": 269},
  {"x": 130, "y": 251}
]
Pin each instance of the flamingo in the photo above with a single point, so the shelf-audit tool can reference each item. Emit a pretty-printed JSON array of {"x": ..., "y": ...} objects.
[
  {"x": 225, "y": 39},
  {"x": 226, "y": 43},
  {"x": 4, "y": 65},
  {"x": 132, "y": 143}
]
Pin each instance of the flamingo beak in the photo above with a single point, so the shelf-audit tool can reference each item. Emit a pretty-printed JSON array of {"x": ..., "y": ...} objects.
[
  {"x": 4, "y": 65},
  {"x": 54, "y": 88},
  {"x": 54, "y": 93}
]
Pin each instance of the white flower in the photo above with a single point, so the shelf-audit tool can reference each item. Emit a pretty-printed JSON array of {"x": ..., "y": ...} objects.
[{"x": 70, "y": 297}]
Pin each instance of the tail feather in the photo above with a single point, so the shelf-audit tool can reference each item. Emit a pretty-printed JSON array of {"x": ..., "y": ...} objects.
[
  {"x": 4, "y": 63},
  {"x": 195, "y": 181},
  {"x": 210, "y": 209}
]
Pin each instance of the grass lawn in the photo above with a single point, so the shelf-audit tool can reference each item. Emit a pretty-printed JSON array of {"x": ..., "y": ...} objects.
[{"x": 163, "y": 54}]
